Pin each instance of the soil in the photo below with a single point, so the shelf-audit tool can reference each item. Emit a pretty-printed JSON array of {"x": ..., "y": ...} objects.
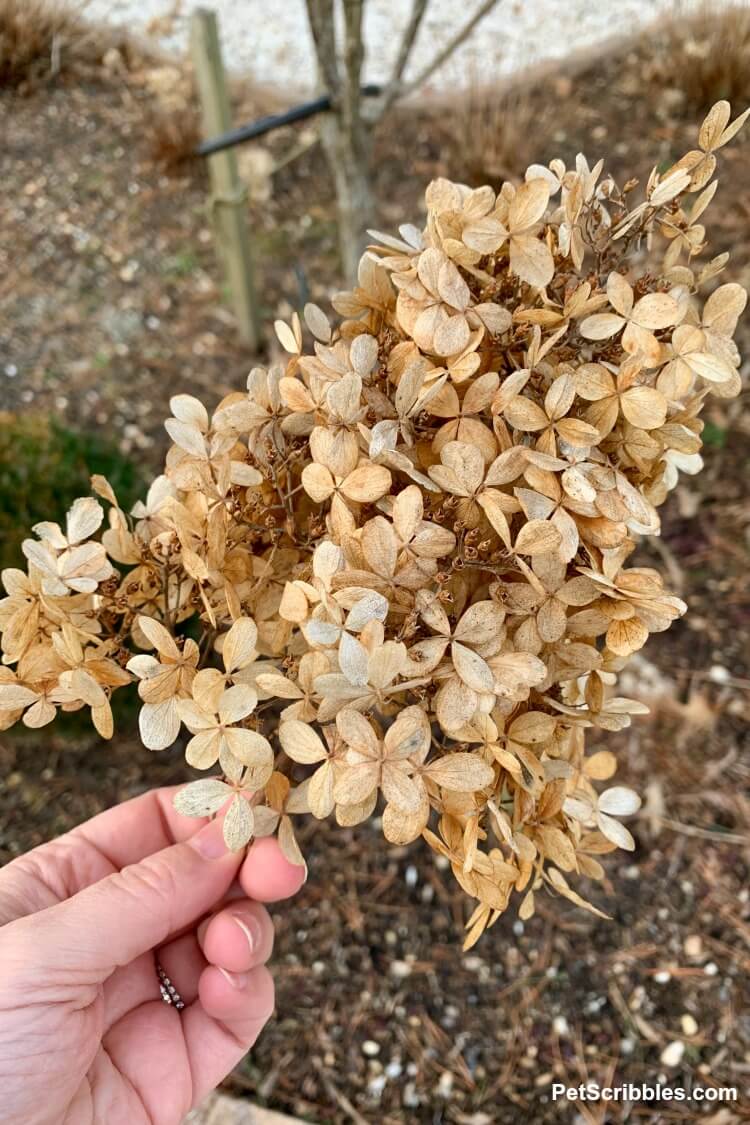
[{"x": 110, "y": 302}]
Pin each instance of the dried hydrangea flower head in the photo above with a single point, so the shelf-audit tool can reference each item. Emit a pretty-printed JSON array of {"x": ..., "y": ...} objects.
[{"x": 393, "y": 572}]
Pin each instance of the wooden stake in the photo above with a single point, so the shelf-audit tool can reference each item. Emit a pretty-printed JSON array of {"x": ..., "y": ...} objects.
[{"x": 228, "y": 195}]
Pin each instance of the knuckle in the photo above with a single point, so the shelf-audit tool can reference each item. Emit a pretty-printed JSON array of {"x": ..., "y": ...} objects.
[{"x": 152, "y": 880}]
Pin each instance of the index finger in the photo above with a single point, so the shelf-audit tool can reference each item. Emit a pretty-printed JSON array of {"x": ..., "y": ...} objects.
[
  {"x": 113, "y": 839},
  {"x": 120, "y": 836}
]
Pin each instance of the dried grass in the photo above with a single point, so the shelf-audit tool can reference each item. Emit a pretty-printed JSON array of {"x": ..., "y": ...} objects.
[
  {"x": 37, "y": 38},
  {"x": 172, "y": 114},
  {"x": 44, "y": 39},
  {"x": 174, "y": 139},
  {"x": 41, "y": 39},
  {"x": 705, "y": 54},
  {"x": 493, "y": 133}
]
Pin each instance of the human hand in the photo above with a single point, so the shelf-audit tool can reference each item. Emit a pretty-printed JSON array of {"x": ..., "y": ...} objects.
[{"x": 85, "y": 1037}]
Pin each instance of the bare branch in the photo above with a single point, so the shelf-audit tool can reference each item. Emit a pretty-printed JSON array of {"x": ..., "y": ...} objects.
[
  {"x": 405, "y": 89},
  {"x": 408, "y": 40},
  {"x": 354, "y": 53},
  {"x": 323, "y": 31}
]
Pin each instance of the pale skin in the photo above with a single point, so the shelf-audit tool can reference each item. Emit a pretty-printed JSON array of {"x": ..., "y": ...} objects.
[{"x": 85, "y": 1037}]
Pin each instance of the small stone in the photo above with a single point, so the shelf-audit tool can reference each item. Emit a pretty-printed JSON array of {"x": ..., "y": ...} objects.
[
  {"x": 411, "y": 876},
  {"x": 693, "y": 945},
  {"x": 473, "y": 964},
  {"x": 664, "y": 977},
  {"x": 560, "y": 1025},
  {"x": 718, "y": 674},
  {"x": 673, "y": 1052},
  {"x": 711, "y": 969},
  {"x": 112, "y": 60},
  {"x": 400, "y": 969},
  {"x": 370, "y": 1048},
  {"x": 688, "y": 1024},
  {"x": 394, "y": 1069},
  {"x": 410, "y": 1097},
  {"x": 451, "y": 1016},
  {"x": 444, "y": 1087},
  {"x": 128, "y": 271}
]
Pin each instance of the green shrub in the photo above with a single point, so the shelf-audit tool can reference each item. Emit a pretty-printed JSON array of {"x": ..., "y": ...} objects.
[{"x": 43, "y": 467}]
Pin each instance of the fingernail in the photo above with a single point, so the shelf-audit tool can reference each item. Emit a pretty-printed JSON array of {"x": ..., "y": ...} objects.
[
  {"x": 250, "y": 928},
  {"x": 209, "y": 842},
  {"x": 237, "y": 980}
]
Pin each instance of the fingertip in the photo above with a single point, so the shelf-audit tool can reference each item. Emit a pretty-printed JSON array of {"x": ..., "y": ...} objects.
[
  {"x": 267, "y": 876},
  {"x": 239, "y": 937}
]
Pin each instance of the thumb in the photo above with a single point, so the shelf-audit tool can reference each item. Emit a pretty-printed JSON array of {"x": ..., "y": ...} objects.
[{"x": 113, "y": 921}]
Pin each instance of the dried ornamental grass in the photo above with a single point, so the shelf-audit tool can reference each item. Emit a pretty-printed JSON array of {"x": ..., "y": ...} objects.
[{"x": 397, "y": 563}]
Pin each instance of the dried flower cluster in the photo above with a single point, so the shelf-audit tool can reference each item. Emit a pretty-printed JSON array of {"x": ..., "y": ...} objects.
[{"x": 398, "y": 562}]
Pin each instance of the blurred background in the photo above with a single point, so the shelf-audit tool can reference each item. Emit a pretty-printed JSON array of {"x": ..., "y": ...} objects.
[{"x": 112, "y": 299}]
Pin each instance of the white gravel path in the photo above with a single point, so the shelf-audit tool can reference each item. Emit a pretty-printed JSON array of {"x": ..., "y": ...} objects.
[{"x": 270, "y": 38}]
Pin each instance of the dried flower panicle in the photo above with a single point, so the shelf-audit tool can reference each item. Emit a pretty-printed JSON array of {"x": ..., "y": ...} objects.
[{"x": 393, "y": 573}]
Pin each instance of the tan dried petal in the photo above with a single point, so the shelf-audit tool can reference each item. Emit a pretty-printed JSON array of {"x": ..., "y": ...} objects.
[
  {"x": 301, "y": 742},
  {"x": 239, "y": 644},
  {"x": 531, "y": 260},
  {"x": 367, "y": 483},
  {"x": 202, "y": 798},
  {"x": 461, "y": 772},
  {"x": 84, "y": 518},
  {"x": 537, "y": 537},
  {"x": 238, "y": 824}
]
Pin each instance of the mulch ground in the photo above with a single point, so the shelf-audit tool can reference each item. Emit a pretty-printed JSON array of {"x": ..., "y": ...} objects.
[{"x": 110, "y": 301}]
